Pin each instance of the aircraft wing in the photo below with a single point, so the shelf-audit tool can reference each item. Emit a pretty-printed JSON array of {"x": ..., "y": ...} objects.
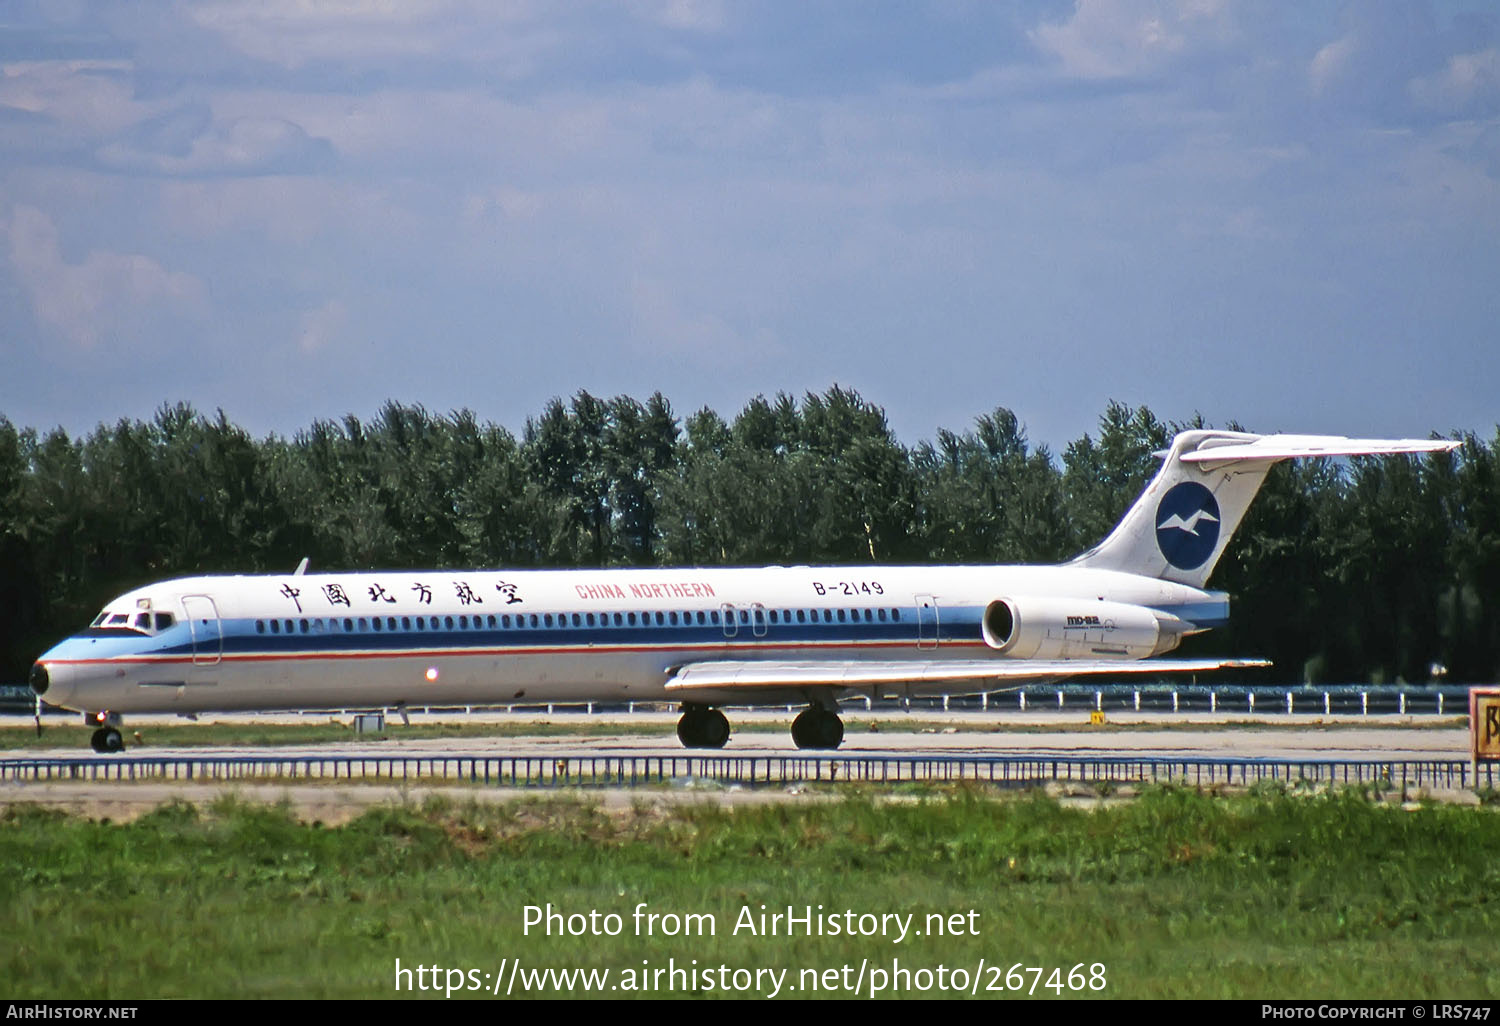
[
  {"x": 725, "y": 674},
  {"x": 1285, "y": 447}
]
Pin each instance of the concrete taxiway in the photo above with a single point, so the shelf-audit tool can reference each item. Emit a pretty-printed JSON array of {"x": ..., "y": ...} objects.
[{"x": 1032, "y": 734}]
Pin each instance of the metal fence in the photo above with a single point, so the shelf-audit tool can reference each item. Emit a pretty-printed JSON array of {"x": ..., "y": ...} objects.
[{"x": 589, "y": 770}]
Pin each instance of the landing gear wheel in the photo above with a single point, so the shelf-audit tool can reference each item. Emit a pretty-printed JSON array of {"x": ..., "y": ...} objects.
[
  {"x": 107, "y": 739},
  {"x": 703, "y": 728},
  {"x": 818, "y": 728}
]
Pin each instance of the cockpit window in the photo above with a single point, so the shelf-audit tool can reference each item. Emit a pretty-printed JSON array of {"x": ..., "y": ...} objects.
[{"x": 110, "y": 623}]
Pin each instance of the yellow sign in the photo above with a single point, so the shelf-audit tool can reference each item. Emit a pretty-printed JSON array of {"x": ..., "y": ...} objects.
[
  {"x": 1097, "y": 717},
  {"x": 1484, "y": 723}
]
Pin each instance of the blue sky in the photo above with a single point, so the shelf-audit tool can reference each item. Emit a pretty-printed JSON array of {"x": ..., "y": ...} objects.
[{"x": 1280, "y": 214}]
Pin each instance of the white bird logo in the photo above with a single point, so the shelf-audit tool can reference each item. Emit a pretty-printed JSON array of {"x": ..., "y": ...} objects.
[{"x": 1190, "y": 525}]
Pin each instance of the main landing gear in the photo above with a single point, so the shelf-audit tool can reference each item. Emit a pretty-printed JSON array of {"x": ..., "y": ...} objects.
[
  {"x": 702, "y": 727},
  {"x": 816, "y": 727}
]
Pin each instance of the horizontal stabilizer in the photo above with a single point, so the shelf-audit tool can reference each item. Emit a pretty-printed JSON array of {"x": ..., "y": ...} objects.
[
  {"x": 719, "y": 674},
  {"x": 1179, "y": 527},
  {"x": 1286, "y": 447}
]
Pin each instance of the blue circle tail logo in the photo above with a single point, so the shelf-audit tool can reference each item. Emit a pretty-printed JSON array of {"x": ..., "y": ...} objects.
[{"x": 1187, "y": 525}]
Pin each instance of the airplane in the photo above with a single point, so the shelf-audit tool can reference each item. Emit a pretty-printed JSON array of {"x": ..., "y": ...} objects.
[{"x": 701, "y": 637}]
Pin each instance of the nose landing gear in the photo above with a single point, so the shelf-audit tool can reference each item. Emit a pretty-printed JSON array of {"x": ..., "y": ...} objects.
[
  {"x": 702, "y": 727},
  {"x": 107, "y": 738}
]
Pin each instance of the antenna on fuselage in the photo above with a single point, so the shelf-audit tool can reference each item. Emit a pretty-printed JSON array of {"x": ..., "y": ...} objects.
[{"x": 301, "y": 567}]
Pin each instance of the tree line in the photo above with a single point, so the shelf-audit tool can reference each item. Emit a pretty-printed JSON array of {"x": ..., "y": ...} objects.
[{"x": 1365, "y": 570}]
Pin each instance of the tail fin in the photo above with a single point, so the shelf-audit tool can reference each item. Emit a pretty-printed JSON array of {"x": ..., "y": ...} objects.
[{"x": 1178, "y": 528}]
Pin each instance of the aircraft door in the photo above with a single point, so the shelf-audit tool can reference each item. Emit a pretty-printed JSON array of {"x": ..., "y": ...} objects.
[
  {"x": 758, "y": 620},
  {"x": 207, "y": 633},
  {"x": 927, "y": 621},
  {"x": 731, "y": 626}
]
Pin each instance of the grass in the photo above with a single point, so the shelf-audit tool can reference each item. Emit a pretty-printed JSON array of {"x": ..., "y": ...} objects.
[{"x": 1178, "y": 894}]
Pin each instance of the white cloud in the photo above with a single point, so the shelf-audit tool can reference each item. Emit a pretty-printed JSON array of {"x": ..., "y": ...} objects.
[
  {"x": 1470, "y": 83},
  {"x": 245, "y": 145},
  {"x": 104, "y": 301},
  {"x": 1121, "y": 38},
  {"x": 686, "y": 15},
  {"x": 665, "y": 326},
  {"x": 85, "y": 95},
  {"x": 294, "y": 33},
  {"x": 1330, "y": 64},
  {"x": 318, "y": 328}
]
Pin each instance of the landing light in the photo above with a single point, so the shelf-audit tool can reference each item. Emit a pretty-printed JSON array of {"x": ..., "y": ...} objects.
[{"x": 432, "y": 674}]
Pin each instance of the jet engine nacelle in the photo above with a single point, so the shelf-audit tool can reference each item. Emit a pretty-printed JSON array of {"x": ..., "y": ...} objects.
[{"x": 1054, "y": 628}]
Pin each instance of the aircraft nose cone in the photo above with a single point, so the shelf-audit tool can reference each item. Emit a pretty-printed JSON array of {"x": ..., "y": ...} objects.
[{"x": 40, "y": 679}]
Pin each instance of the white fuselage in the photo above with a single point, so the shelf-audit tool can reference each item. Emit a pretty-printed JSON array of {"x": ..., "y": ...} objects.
[{"x": 487, "y": 637}]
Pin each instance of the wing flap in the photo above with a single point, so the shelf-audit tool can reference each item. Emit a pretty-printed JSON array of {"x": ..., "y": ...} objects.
[{"x": 722, "y": 674}]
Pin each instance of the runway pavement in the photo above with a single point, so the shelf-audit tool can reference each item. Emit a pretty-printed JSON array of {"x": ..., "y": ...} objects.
[{"x": 1186, "y": 735}]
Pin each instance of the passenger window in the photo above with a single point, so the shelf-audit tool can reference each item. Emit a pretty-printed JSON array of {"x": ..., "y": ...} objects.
[
  {"x": 577, "y": 620},
  {"x": 882, "y": 615},
  {"x": 841, "y": 616},
  {"x": 406, "y": 623},
  {"x": 895, "y": 614},
  {"x": 303, "y": 625},
  {"x": 828, "y": 616},
  {"x": 260, "y": 626},
  {"x": 660, "y": 620},
  {"x": 631, "y": 618},
  {"x": 275, "y": 626},
  {"x": 618, "y": 619},
  {"x": 491, "y": 620},
  {"x": 463, "y": 623},
  {"x": 801, "y": 616},
  {"x": 375, "y": 622},
  {"x": 591, "y": 619},
  {"x": 672, "y": 618},
  {"x": 448, "y": 622}
]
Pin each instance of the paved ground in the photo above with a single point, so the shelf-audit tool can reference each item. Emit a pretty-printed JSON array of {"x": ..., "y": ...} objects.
[
  {"x": 891, "y": 733},
  {"x": 881, "y": 733}
]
